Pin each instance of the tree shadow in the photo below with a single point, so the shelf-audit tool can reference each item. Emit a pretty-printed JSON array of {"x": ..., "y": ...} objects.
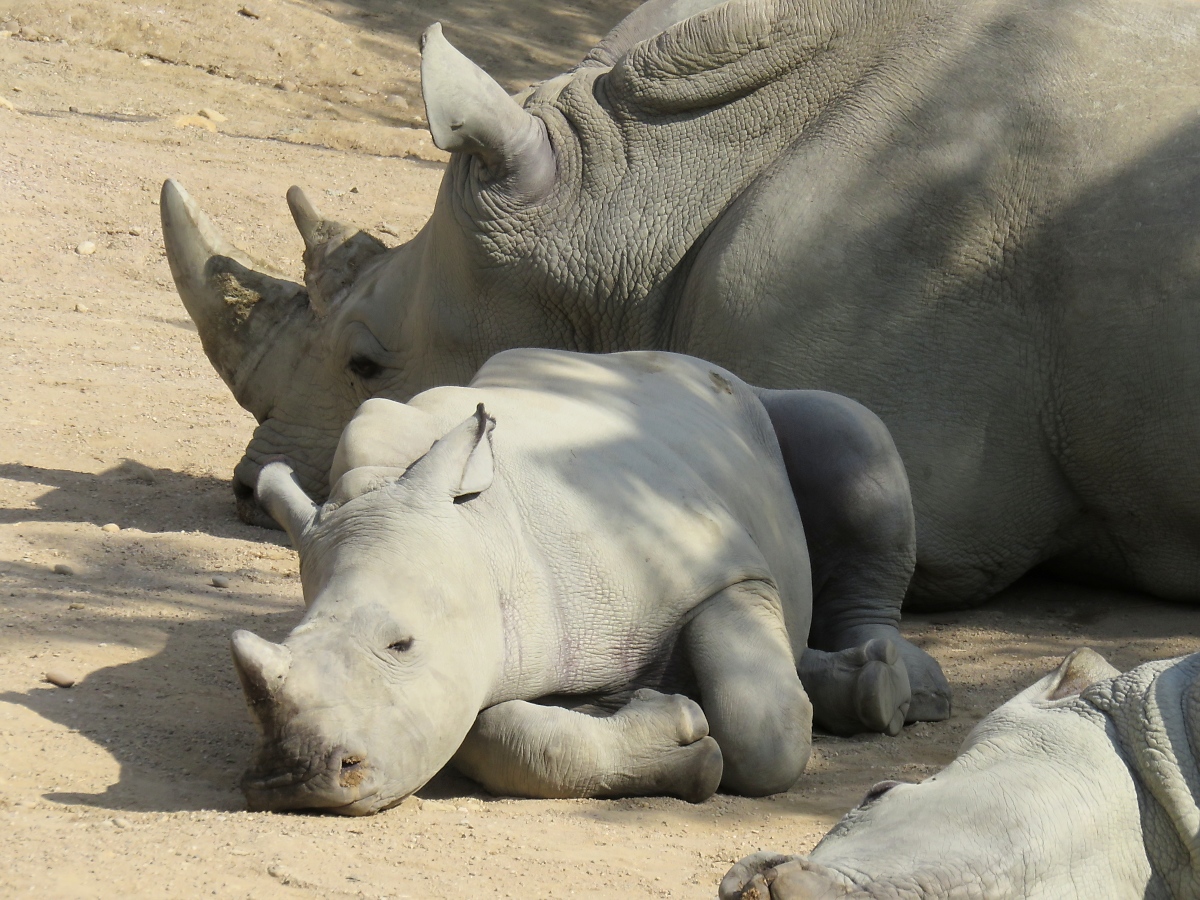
[
  {"x": 132, "y": 495},
  {"x": 518, "y": 42}
]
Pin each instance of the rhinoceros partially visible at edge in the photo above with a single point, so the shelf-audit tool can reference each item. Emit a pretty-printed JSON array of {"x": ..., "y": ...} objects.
[
  {"x": 1086, "y": 785},
  {"x": 979, "y": 218},
  {"x": 571, "y": 535}
]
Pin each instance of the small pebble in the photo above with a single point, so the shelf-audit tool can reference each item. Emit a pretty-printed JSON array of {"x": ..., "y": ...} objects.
[
  {"x": 358, "y": 70},
  {"x": 73, "y": 109},
  {"x": 397, "y": 101},
  {"x": 74, "y": 606},
  {"x": 111, "y": 527},
  {"x": 63, "y": 569},
  {"x": 220, "y": 581},
  {"x": 289, "y": 86},
  {"x": 249, "y": 12},
  {"x": 59, "y": 678},
  {"x": 213, "y": 115},
  {"x": 136, "y": 230},
  {"x": 120, "y": 823},
  {"x": 196, "y": 122},
  {"x": 82, "y": 307},
  {"x": 354, "y": 190},
  {"x": 86, "y": 248}
]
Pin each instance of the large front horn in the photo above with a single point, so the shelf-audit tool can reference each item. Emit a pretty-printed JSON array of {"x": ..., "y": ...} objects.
[
  {"x": 469, "y": 112},
  {"x": 236, "y": 308}
]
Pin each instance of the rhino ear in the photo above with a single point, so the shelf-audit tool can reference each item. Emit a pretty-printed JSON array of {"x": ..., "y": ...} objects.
[
  {"x": 461, "y": 463},
  {"x": 1081, "y": 669},
  {"x": 280, "y": 494},
  {"x": 469, "y": 112}
]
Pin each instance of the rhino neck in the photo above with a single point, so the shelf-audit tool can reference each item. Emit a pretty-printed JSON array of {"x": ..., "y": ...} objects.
[{"x": 636, "y": 199}]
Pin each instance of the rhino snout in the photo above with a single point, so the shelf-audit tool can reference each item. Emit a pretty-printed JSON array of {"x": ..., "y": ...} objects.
[{"x": 338, "y": 781}]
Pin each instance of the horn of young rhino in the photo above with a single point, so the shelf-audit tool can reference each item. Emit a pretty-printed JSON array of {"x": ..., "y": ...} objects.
[
  {"x": 469, "y": 112},
  {"x": 261, "y": 666},
  {"x": 280, "y": 494},
  {"x": 237, "y": 308},
  {"x": 333, "y": 252}
]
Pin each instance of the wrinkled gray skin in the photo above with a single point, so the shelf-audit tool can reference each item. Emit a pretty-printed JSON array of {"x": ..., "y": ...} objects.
[
  {"x": 979, "y": 218},
  {"x": 1084, "y": 786},
  {"x": 521, "y": 574}
]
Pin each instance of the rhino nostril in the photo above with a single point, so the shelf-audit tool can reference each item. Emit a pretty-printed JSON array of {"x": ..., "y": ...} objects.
[{"x": 349, "y": 762}]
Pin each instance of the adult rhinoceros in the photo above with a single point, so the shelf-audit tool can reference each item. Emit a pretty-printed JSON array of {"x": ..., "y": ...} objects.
[
  {"x": 576, "y": 527},
  {"x": 980, "y": 218},
  {"x": 1085, "y": 785}
]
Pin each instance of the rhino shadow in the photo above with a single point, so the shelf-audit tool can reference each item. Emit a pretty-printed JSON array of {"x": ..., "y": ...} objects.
[
  {"x": 518, "y": 41},
  {"x": 133, "y": 495}
]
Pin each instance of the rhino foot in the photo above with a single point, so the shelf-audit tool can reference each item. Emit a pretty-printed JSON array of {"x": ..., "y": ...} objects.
[
  {"x": 931, "y": 699},
  {"x": 773, "y": 876},
  {"x": 860, "y": 689},
  {"x": 669, "y": 733}
]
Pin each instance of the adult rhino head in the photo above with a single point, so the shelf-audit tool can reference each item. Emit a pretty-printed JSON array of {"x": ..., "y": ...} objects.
[
  {"x": 373, "y": 692},
  {"x": 496, "y": 266}
]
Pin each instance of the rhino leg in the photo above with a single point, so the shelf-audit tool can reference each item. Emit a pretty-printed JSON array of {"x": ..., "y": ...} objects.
[
  {"x": 859, "y": 689},
  {"x": 655, "y": 744},
  {"x": 852, "y": 492},
  {"x": 745, "y": 669}
]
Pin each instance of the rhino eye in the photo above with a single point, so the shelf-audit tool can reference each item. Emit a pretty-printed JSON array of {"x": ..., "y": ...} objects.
[
  {"x": 364, "y": 367},
  {"x": 401, "y": 646}
]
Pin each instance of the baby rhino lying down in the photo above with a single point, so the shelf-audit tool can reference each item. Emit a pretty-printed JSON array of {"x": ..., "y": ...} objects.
[
  {"x": 520, "y": 574},
  {"x": 1083, "y": 786}
]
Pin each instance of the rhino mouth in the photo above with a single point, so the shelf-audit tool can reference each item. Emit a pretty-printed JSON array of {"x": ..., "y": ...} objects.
[{"x": 343, "y": 782}]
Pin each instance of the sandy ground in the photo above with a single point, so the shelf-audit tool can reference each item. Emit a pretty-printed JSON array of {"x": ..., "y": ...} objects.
[{"x": 125, "y": 784}]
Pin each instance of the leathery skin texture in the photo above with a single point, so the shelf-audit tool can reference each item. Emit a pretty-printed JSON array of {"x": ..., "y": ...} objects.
[
  {"x": 1084, "y": 785},
  {"x": 579, "y": 576},
  {"x": 979, "y": 219}
]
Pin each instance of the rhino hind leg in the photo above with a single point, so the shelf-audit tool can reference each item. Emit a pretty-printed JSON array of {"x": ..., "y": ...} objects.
[
  {"x": 853, "y": 495},
  {"x": 859, "y": 689},
  {"x": 756, "y": 706},
  {"x": 655, "y": 744}
]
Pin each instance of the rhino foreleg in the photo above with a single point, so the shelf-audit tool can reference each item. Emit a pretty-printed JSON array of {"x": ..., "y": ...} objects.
[
  {"x": 655, "y": 744},
  {"x": 757, "y": 709},
  {"x": 853, "y": 495}
]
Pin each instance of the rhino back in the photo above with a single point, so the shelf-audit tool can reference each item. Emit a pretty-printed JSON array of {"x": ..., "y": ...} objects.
[
  {"x": 995, "y": 239},
  {"x": 641, "y": 484}
]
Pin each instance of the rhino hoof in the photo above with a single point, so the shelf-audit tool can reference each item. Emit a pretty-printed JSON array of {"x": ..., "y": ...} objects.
[
  {"x": 882, "y": 693},
  {"x": 701, "y": 771}
]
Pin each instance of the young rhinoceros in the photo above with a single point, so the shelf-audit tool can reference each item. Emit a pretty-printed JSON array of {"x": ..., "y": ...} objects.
[
  {"x": 1084, "y": 786},
  {"x": 582, "y": 530}
]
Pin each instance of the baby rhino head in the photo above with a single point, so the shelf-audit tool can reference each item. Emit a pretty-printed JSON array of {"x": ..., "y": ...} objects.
[{"x": 375, "y": 689}]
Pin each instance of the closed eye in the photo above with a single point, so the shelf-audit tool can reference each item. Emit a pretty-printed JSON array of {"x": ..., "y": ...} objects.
[
  {"x": 364, "y": 367},
  {"x": 401, "y": 646}
]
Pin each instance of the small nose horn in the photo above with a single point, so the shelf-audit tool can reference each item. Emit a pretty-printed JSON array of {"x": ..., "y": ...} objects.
[{"x": 261, "y": 665}]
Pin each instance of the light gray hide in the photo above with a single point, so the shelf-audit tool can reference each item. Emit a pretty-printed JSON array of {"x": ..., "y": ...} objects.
[
  {"x": 980, "y": 218},
  {"x": 1085, "y": 785},
  {"x": 574, "y": 527}
]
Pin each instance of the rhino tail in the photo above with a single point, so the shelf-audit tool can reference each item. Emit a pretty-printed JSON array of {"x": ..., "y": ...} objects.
[{"x": 334, "y": 253}]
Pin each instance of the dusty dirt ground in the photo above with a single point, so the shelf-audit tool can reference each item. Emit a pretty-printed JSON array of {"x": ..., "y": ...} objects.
[{"x": 125, "y": 784}]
